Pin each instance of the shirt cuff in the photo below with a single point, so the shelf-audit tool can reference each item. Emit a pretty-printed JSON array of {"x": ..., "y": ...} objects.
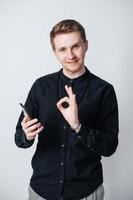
[
  {"x": 27, "y": 143},
  {"x": 86, "y": 136}
]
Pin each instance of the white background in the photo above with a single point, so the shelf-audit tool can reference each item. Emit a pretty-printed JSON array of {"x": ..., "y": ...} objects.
[{"x": 26, "y": 54}]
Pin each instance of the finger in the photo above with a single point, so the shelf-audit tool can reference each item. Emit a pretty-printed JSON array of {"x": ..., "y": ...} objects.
[
  {"x": 60, "y": 107},
  {"x": 27, "y": 116},
  {"x": 69, "y": 91},
  {"x": 39, "y": 129},
  {"x": 72, "y": 96},
  {"x": 59, "y": 104},
  {"x": 25, "y": 119},
  {"x": 29, "y": 123},
  {"x": 64, "y": 99},
  {"x": 34, "y": 127},
  {"x": 32, "y": 135}
]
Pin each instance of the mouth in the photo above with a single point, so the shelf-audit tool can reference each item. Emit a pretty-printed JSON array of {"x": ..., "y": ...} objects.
[{"x": 72, "y": 62}]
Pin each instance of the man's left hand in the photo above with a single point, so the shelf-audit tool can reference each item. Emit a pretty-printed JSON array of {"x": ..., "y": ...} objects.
[{"x": 71, "y": 112}]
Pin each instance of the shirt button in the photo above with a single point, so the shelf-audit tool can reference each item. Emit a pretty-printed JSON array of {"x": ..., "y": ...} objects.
[
  {"x": 62, "y": 145},
  {"x": 79, "y": 136},
  {"x": 64, "y": 127},
  {"x": 61, "y": 181},
  {"x": 61, "y": 163},
  {"x": 71, "y": 81}
]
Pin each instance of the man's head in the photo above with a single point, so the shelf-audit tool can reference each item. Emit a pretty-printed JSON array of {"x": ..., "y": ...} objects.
[
  {"x": 66, "y": 26},
  {"x": 69, "y": 44}
]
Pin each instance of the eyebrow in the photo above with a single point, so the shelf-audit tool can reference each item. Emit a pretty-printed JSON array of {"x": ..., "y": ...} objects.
[{"x": 63, "y": 47}]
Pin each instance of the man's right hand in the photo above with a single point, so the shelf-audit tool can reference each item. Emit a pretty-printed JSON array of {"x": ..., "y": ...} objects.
[{"x": 31, "y": 127}]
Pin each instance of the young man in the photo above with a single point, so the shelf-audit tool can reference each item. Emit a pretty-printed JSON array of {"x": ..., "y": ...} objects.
[{"x": 75, "y": 116}]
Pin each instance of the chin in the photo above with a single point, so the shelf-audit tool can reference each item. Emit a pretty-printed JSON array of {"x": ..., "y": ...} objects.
[{"x": 73, "y": 69}]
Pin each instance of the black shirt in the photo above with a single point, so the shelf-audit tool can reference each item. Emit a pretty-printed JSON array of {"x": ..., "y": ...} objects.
[{"x": 66, "y": 165}]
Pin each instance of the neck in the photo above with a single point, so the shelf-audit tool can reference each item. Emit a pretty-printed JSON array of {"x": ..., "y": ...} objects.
[{"x": 73, "y": 75}]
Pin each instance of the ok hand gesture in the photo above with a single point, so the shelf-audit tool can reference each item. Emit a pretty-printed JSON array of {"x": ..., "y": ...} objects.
[{"x": 71, "y": 112}]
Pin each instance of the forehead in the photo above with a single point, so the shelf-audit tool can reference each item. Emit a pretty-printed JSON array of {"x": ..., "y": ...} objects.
[{"x": 67, "y": 39}]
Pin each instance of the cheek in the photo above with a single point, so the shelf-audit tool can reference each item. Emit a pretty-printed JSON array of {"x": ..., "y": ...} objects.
[
  {"x": 60, "y": 58},
  {"x": 81, "y": 54}
]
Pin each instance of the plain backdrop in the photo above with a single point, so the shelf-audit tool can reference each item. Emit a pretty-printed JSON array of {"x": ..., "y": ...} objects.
[{"x": 26, "y": 54}]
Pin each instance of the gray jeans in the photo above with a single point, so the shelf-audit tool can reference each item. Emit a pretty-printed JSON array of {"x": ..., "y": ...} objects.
[{"x": 97, "y": 195}]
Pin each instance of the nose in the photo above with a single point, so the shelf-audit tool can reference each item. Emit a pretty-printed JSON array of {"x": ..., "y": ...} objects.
[{"x": 70, "y": 54}]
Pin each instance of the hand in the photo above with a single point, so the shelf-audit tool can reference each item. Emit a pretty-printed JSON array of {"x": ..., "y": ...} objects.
[
  {"x": 31, "y": 127},
  {"x": 71, "y": 112}
]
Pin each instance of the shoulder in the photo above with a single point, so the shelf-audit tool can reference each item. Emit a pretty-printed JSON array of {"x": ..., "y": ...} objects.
[
  {"x": 48, "y": 77},
  {"x": 44, "y": 82},
  {"x": 101, "y": 87},
  {"x": 105, "y": 89},
  {"x": 98, "y": 82}
]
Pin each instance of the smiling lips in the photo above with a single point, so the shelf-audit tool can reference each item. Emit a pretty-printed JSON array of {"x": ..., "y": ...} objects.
[{"x": 72, "y": 62}]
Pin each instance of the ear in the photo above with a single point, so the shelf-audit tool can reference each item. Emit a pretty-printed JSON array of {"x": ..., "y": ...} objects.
[{"x": 86, "y": 45}]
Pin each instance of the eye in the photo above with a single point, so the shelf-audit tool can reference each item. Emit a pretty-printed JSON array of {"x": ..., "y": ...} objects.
[
  {"x": 62, "y": 49},
  {"x": 76, "y": 46}
]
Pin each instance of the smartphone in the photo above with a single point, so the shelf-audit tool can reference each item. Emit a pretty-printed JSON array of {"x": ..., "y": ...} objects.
[{"x": 25, "y": 111}]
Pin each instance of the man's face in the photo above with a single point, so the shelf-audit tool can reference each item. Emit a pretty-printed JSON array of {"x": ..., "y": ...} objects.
[{"x": 70, "y": 50}]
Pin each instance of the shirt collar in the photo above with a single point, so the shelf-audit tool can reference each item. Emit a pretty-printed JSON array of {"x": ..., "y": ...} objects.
[{"x": 70, "y": 81}]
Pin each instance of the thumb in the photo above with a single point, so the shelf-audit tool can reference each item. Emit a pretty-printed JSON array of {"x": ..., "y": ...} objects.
[{"x": 26, "y": 118}]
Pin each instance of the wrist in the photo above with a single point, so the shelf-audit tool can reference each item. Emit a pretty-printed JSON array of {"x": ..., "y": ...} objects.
[{"x": 77, "y": 127}]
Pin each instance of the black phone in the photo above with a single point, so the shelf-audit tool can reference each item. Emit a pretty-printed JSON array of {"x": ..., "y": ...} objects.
[{"x": 25, "y": 111}]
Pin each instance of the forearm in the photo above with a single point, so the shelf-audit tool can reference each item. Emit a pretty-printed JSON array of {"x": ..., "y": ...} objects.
[
  {"x": 103, "y": 143},
  {"x": 102, "y": 136}
]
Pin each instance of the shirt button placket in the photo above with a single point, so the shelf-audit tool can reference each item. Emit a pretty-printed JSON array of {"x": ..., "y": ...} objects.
[
  {"x": 62, "y": 157},
  {"x": 71, "y": 81},
  {"x": 62, "y": 164},
  {"x": 62, "y": 146}
]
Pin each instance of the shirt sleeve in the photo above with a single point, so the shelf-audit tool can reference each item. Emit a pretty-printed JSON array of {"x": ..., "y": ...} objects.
[
  {"x": 103, "y": 139},
  {"x": 31, "y": 105}
]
